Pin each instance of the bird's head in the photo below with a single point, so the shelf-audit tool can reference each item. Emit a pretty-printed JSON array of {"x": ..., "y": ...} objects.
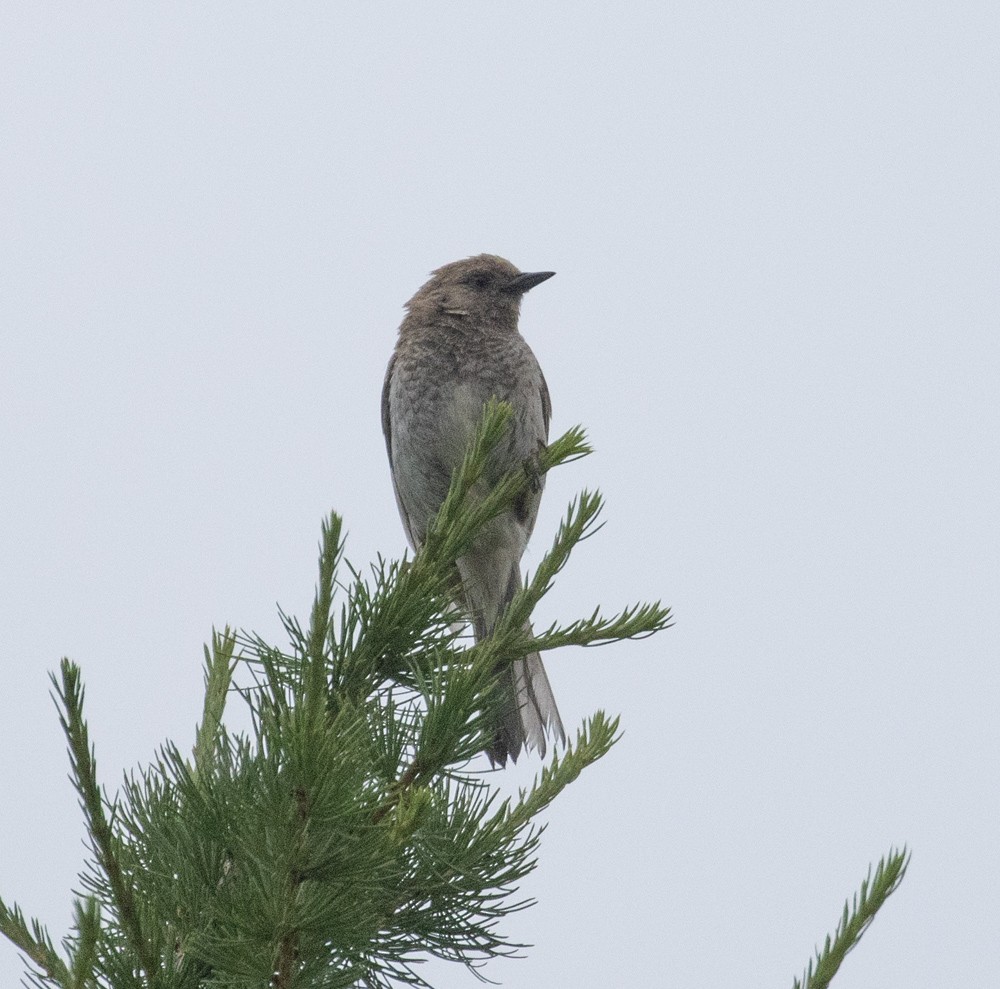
[{"x": 478, "y": 289}]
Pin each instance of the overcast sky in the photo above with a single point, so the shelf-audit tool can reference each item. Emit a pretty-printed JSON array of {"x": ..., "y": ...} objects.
[{"x": 775, "y": 227}]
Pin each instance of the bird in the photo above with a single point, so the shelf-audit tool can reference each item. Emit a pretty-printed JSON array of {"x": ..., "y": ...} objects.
[{"x": 458, "y": 347}]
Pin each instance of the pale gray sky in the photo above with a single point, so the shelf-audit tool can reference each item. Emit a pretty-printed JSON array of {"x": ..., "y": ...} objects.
[{"x": 775, "y": 227}]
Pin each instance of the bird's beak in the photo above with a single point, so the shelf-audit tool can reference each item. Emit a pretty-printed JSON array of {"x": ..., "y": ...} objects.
[{"x": 527, "y": 280}]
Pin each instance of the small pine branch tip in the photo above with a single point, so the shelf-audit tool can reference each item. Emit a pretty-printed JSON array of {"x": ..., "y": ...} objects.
[
  {"x": 856, "y": 919},
  {"x": 350, "y": 833}
]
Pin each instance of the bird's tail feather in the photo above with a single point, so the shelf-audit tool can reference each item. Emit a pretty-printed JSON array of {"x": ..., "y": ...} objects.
[
  {"x": 528, "y": 708},
  {"x": 528, "y": 711}
]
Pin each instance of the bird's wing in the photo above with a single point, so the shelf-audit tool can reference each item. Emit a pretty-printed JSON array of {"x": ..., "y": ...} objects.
[
  {"x": 546, "y": 406},
  {"x": 526, "y": 506},
  {"x": 404, "y": 515},
  {"x": 386, "y": 420}
]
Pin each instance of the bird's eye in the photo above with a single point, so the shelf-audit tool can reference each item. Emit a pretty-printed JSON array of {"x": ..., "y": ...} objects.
[{"x": 479, "y": 279}]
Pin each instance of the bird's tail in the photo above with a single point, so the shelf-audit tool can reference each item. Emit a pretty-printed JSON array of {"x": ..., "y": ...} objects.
[
  {"x": 528, "y": 709},
  {"x": 528, "y": 712}
]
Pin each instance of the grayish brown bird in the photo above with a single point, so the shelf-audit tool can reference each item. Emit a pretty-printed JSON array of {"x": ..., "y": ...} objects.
[{"x": 459, "y": 346}]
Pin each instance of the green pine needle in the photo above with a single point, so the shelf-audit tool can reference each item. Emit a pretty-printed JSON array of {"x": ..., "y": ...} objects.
[{"x": 856, "y": 919}]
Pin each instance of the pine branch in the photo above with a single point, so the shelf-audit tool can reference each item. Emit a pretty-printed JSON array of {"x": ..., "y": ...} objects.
[
  {"x": 343, "y": 840},
  {"x": 70, "y": 694},
  {"x": 288, "y": 945},
  {"x": 855, "y": 921},
  {"x": 219, "y": 667},
  {"x": 460, "y": 517},
  {"x": 35, "y": 943},
  {"x": 593, "y": 741},
  {"x": 579, "y": 524},
  {"x": 88, "y": 932},
  {"x": 636, "y": 621},
  {"x": 315, "y": 679}
]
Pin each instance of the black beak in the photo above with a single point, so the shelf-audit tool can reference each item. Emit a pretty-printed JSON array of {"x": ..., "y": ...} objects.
[{"x": 527, "y": 280}]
